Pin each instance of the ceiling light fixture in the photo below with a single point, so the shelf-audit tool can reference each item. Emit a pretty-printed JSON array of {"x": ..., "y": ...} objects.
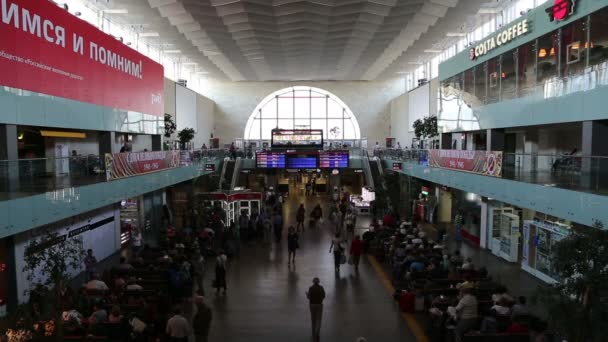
[
  {"x": 455, "y": 34},
  {"x": 116, "y": 11},
  {"x": 202, "y": 72},
  {"x": 149, "y": 34},
  {"x": 432, "y": 51},
  {"x": 415, "y": 63},
  {"x": 172, "y": 51}
]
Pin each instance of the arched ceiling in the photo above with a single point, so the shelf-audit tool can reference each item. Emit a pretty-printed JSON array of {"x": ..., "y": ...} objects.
[{"x": 259, "y": 40}]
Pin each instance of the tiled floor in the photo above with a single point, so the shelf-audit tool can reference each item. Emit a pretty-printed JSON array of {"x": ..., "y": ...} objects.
[{"x": 266, "y": 300}]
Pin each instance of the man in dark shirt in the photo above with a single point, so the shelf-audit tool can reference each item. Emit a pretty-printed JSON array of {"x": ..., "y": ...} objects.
[{"x": 315, "y": 296}]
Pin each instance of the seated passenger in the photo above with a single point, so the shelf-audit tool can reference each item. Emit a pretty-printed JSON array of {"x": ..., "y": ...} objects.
[
  {"x": 468, "y": 265},
  {"x": 123, "y": 265},
  {"x": 132, "y": 285},
  {"x": 96, "y": 284},
  {"x": 115, "y": 315},
  {"x": 520, "y": 308}
]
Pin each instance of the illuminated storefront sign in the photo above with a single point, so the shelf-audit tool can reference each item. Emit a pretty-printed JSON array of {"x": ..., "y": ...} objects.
[
  {"x": 561, "y": 10},
  {"x": 502, "y": 38}
]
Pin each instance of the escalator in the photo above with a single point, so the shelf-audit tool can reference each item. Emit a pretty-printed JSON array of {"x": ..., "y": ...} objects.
[
  {"x": 376, "y": 170},
  {"x": 230, "y": 174}
]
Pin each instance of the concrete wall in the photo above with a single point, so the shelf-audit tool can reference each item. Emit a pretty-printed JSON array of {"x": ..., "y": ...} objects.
[
  {"x": 400, "y": 121},
  {"x": 103, "y": 240},
  {"x": 369, "y": 101},
  {"x": 204, "y": 111}
]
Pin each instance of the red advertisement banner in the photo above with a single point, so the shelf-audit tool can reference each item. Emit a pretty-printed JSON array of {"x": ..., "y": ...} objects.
[
  {"x": 487, "y": 163},
  {"x": 46, "y": 49},
  {"x": 120, "y": 165}
]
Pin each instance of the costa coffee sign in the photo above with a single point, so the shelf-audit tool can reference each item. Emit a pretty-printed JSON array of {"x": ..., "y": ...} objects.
[
  {"x": 561, "y": 10},
  {"x": 503, "y": 37},
  {"x": 46, "y": 49}
]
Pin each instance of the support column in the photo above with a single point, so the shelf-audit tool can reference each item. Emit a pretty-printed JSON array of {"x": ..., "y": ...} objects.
[
  {"x": 593, "y": 144},
  {"x": 106, "y": 143},
  {"x": 157, "y": 142},
  {"x": 9, "y": 154},
  {"x": 529, "y": 162},
  {"x": 446, "y": 141},
  {"x": 495, "y": 140}
]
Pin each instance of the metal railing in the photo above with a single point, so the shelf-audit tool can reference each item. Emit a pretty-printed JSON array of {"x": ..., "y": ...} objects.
[
  {"x": 26, "y": 177},
  {"x": 575, "y": 172}
]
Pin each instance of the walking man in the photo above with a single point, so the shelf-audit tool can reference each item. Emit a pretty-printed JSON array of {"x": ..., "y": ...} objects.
[
  {"x": 316, "y": 295},
  {"x": 300, "y": 215}
]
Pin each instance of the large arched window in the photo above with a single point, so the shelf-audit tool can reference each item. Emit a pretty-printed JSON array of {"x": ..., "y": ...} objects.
[{"x": 303, "y": 108}]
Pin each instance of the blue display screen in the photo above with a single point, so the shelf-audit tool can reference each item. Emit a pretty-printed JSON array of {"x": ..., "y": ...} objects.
[
  {"x": 301, "y": 162},
  {"x": 333, "y": 159},
  {"x": 270, "y": 160}
]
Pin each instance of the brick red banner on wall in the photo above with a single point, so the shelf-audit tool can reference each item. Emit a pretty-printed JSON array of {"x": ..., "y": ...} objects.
[
  {"x": 45, "y": 49},
  {"x": 487, "y": 163},
  {"x": 120, "y": 165}
]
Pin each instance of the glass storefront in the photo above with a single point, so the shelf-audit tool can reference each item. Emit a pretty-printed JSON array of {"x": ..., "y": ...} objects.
[{"x": 570, "y": 59}]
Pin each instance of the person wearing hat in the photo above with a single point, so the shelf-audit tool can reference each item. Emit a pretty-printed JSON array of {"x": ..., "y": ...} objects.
[{"x": 316, "y": 295}]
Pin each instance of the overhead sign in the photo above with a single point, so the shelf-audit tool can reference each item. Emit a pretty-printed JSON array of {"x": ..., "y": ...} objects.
[
  {"x": 210, "y": 167},
  {"x": 561, "y": 10},
  {"x": 487, "y": 163},
  {"x": 46, "y": 49},
  {"x": 120, "y": 165},
  {"x": 397, "y": 166},
  {"x": 507, "y": 35}
]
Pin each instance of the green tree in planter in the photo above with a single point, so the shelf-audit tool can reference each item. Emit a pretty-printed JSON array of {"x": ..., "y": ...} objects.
[
  {"x": 170, "y": 126},
  {"x": 185, "y": 136},
  {"x": 578, "y": 305},
  {"x": 48, "y": 261},
  {"x": 426, "y": 127}
]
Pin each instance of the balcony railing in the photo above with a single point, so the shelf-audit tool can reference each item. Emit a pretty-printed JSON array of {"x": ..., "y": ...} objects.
[
  {"x": 27, "y": 177},
  {"x": 574, "y": 172}
]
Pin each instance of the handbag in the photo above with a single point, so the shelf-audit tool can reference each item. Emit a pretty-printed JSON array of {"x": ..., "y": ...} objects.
[{"x": 342, "y": 259}]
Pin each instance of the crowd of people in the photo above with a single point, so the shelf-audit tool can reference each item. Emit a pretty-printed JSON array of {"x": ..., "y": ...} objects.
[{"x": 460, "y": 298}]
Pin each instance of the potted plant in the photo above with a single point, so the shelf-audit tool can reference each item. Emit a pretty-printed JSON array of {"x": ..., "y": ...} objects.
[
  {"x": 577, "y": 303},
  {"x": 170, "y": 126},
  {"x": 185, "y": 136},
  {"x": 426, "y": 127},
  {"x": 48, "y": 264}
]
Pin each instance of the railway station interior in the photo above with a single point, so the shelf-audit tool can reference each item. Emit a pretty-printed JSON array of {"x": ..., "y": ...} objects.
[{"x": 304, "y": 170}]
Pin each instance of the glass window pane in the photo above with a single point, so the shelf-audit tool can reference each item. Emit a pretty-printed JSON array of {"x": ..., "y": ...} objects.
[
  {"x": 493, "y": 80},
  {"x": 302, "y": 124},
  {"x": 285, "y": 107},
  {"x": 349, "y": 130},
  {"x": 548, "y": 52},
  {"x": 335, "y": 129},
  {"x": 267, "y": 127},
  {"x": 318, "y": 107},
  {"x": 507, "y": 76},
  {"x": 270, "y": 110},
  {"x": 599, "y": 39},
  {"x": 334, "y": 109},
  {"x": 527, "y": 69},
  {"x": 254, "y": 130},
  {"x": 480, "y": 83},
  {"x": 286, "y": 123},
  {"x": 302, "y": 107},
  {"x": 319, "y": 124},
  {"x": 574, "y": 48}
]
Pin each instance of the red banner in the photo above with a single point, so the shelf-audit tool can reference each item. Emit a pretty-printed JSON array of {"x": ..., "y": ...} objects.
[
  {"x": 120, "y": 165},
  {"x": 488, "y": 163},
  {"x": 46, "y": 49}
]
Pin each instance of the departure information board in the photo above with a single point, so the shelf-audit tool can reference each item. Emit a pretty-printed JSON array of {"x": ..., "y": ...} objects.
[
  {"x": 270, "y": 160},
  {"x": 302, "y": 162},
  {"x": 333, "y": 159}
]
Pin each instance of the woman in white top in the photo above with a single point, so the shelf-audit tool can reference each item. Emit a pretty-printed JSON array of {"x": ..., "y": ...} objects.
[
  {"x": 220, "y": 271},
  {"x": 338, "y": 250}
]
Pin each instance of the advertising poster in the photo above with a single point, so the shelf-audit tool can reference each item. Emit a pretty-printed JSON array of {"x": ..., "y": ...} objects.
[
  {"x": 120, "y": 165},
  {"x": 48, "y": 50},
  {"x": 487, "y": 163}
]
